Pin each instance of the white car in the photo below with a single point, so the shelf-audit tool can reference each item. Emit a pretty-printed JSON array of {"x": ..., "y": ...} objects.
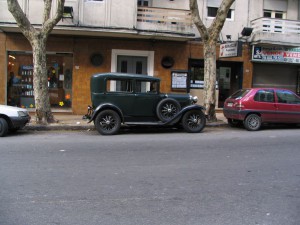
[{"x": 12, "y": 119}]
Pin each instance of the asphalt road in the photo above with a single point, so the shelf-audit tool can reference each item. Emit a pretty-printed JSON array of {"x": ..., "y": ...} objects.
[{"x": 222, "y": 176}]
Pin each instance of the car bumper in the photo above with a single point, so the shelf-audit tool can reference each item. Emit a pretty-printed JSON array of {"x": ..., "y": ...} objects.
[
  {"x": 234, "y": 114},
  {"x": 19, "y": 122}
]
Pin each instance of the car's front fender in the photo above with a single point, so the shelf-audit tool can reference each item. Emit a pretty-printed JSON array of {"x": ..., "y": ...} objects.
[
  {"x": 106, "y": 106},
  {"x": 183, "y": 111}
]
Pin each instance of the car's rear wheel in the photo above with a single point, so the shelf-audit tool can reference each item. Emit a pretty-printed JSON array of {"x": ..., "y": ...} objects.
[
  {"x": 108, "y": 122},
  {"x": 3, "y": 127},
  {"x": 252, "y": 122},
  {"x": 167, "y": 109},
  {"x": 193, "y": 121},
  {"x": 234, "y": 123}
]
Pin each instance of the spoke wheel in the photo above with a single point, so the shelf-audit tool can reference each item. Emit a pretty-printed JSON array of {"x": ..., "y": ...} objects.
[
  {"x": 3, "y": 127},
  {"x": 167, "y": 109},
  {"x": 252, "y": 122},
  {"x": 108, "y": 122},
  {"x": 194, "y": 121}
]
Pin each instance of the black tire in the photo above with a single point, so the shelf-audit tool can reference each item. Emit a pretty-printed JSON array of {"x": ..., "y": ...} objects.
[
  {"x": 108, "y": 122},
  {"x": 252, "y": 122},
  {"x": 234, "y": 123},
  {"x": 193, "y": 121},
  {"x": 3, "y": 127},
  {"x": 167, "y": 108}
]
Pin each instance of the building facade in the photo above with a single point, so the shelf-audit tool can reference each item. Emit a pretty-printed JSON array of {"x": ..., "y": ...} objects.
[{"x": 151, "y": 37}]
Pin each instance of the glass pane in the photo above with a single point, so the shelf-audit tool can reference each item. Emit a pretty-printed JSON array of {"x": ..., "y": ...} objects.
[
  {"x": 267, "y": 14},
  {"x": 139, "y": 67},
  {"x": 124, "y": 67}
]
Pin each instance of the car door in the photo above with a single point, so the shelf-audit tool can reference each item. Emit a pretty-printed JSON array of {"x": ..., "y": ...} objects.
[
  {"x": 119, "y": 92},
  {"x": 288, "y": 106},
  {"x": 146, "y": 98},
  {"x": 264, "y": 103}
]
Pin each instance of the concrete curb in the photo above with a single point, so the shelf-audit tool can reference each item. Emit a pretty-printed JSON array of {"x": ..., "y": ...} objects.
[{"x": 86, "y": 127}]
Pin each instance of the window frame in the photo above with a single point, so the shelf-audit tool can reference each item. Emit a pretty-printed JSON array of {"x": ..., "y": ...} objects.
[{"x": 231, "y": 12}]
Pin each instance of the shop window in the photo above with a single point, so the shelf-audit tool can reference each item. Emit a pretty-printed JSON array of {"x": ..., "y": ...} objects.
[
  {"x": 197, "y": 77},
  {"x": 20, "y": 80}
]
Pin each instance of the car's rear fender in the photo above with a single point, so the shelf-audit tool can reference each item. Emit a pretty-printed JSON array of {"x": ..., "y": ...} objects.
[
  {"x": 104, "y": 107},
  {"x": 183, "y": 111}
]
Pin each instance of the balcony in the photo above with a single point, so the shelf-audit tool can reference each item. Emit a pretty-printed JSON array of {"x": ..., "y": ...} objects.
[
  {"x": 165, "y": 22},
  {"x": 276, "y": 31}
]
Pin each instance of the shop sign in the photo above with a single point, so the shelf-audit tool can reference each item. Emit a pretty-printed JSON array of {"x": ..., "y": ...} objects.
[
  {"x": 229, "y": 50},
  {"x": 276, "y": 54}
]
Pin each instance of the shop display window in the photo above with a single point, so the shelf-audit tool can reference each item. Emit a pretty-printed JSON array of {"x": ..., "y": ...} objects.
[{"x": 20, "y": 80}]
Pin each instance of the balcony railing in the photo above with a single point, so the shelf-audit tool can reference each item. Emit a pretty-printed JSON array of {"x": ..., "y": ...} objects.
[
  {"x": 164, "y": 20},
  {"x": 276, "y": 26},
  {"x": 276, "y": 31}
]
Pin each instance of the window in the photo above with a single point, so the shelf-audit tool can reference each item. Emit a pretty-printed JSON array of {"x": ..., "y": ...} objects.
[
  {"x": 264, "y": 96},
  {"x": 287, "y": 97},
  {"x": 121, "y": 85},
  {"x": 274, "y": 14},
  {"x": 212, "y": 12},
  {"x": 197, "y": 77},
  {"x": 146, "y": 86}
]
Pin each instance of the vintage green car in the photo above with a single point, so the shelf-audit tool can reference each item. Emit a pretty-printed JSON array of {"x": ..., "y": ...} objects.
[{"x": 130, "y": 99}]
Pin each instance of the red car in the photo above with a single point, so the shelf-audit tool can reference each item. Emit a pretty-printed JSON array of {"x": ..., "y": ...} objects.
[{"x": 255, "y": 106}]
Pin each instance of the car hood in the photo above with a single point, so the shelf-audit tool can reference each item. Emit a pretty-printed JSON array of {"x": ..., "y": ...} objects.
[{"x": 6, "y": 108}]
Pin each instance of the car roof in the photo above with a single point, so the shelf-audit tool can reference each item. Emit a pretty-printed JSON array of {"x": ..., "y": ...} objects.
[{"x": 124, "y": 75}]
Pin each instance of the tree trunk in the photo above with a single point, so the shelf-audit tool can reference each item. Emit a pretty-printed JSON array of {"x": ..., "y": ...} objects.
[
  {"x": 40, "y": 82},
  {"x": 210, "y": 80}
]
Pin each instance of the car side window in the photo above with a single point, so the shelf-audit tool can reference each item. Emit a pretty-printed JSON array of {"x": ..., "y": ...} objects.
[
  {"x": 287, "y": 97},
  {"x": 264, "y": 96},
  {"x": 119, "y": 85},
  {"x": 146, "y": 86}
]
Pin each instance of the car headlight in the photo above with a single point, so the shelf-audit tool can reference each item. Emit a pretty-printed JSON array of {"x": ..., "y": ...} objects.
[
  {"x": 194, "y": 99},
  {"x": 22, "y": 114}
]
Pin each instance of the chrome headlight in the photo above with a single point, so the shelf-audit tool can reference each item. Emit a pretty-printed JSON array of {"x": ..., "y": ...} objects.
[
  {"x": 194, "y": 99},
  {"x": 22, "y": 113}
]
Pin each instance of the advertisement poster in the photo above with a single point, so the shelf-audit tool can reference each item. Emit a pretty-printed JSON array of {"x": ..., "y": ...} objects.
[
  {"x": 276, "y": 54},
  {"x": 179, "y": 79}
]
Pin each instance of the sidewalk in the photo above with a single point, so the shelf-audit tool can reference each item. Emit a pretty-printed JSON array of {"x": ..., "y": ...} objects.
[{"x": 75, "y": 122}]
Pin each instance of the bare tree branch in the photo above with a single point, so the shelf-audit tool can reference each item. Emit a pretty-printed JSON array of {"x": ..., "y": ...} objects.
[
  {"x": 21, "y": 19},
  {"x": 50, "y": 23},
  {"x": 197, "y": 20},
  {"x": 47, "y": 9},
  {"x": 220, "y": 19}
]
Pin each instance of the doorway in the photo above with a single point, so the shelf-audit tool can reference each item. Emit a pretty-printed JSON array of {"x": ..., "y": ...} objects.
[{"x": 132, "y": 64}]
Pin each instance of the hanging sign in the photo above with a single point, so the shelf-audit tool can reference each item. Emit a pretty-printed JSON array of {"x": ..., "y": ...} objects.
[
  {"x": 229, "y": 49},
  {"x": 276, "y": 54}
]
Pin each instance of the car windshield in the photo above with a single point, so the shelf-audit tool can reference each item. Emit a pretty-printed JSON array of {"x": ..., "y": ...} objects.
[{"x": 239, "y": 94}]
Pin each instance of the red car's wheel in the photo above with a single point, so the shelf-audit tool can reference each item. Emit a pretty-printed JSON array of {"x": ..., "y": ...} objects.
[{"x": 252, "y": 122}]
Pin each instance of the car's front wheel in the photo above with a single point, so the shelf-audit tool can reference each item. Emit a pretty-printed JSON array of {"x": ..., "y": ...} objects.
[
  {"x": 193, "y": 121},
  {"x": 3, "y": 127},
  {"x": 108, "y": 122},
  {"x": 252, "y": 122},
  {"x": 167, "y": 109}
]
